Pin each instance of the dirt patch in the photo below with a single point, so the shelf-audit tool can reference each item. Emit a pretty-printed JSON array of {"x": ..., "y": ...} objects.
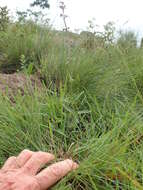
[{"x": 14, "y": 83}]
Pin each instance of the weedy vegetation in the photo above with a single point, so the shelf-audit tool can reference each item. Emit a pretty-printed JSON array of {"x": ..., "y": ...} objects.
[{"x": 90, "y": 107}]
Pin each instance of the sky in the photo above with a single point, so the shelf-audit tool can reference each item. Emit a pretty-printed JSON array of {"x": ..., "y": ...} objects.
[{"x": 127, "y": 14}]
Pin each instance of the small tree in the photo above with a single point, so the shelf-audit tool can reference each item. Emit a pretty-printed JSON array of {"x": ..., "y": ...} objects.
[
  {"x": 22, "y": 15},
  {"x": 41, "y": 3},
  {"x": 4, "y": 18},
  {"x": 36, "y": 16}
]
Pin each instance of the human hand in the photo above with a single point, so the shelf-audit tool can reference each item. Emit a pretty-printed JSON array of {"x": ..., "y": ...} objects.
[{"x": 21, "y": 172}]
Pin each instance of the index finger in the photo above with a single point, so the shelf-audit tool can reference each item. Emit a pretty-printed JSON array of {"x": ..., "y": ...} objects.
[{"x": 54, "y": 173}]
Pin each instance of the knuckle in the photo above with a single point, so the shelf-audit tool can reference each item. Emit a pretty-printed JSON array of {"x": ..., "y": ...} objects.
[
  {"x": 25, "y": 151},
  {"x": 38, "y": 155},
  {"x": 41, "y": 154},
  {"x": 56, "y": 171}
]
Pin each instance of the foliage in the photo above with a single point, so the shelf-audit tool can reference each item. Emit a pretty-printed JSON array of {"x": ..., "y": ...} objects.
[
  {"x": 26, "y": 39},
  {"x": 89, "y": 109},
  {"x": 4, "y": 18},
  {"x": 93, "y": 38},
  {"x": 36, "y": 17},
  {"x": 41, "y": 3},
  {"x": 109, "y": 32},
  {"x": 127, "y": 39}
]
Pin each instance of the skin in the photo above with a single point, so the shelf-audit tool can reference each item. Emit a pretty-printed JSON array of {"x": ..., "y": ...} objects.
[{"x": 21, "y": 172}]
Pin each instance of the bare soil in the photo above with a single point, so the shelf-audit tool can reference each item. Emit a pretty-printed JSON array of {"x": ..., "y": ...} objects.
[{"x": 18, "y": 82}]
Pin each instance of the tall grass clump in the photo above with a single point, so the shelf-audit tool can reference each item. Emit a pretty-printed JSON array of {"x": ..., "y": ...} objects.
[
  {"x": 105, "y": 141},
  {"x": 89, "y": 107},
  {"x": 26, "y": 39}
]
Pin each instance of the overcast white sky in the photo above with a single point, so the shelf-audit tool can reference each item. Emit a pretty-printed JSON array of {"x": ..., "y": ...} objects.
[{"x": 80, "y": 11}]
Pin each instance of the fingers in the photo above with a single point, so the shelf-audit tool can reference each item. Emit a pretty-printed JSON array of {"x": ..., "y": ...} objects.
[
  {"x": 23, "y": 157},
  {"x": 55, "y": 172},
  {"x": 36, "y": 161},
  {"x": 10, "y": 164},
  {"x": 17, "y": 162}
]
